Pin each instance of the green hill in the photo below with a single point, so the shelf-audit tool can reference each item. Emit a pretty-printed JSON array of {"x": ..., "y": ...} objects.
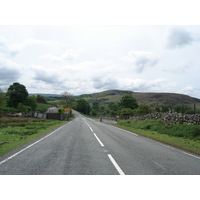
[{"x": 153, "y": 99}]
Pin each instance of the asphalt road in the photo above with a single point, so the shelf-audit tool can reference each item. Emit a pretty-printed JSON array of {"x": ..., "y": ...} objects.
[{"x": 90, "y": 147}]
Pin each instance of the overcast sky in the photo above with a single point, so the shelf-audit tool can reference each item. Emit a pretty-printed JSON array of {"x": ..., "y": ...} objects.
[
  {"x": 87, "y": 59},
  {"x": 92, "y": 58}
]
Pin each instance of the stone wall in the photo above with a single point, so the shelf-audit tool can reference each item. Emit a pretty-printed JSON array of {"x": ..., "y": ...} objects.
[
  {"x": 171, "y": 118},
  {"x": 57, "y": 116}
]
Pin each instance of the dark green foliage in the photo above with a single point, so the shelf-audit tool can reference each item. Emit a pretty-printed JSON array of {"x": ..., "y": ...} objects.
[
  {"x": 31, "y": 102},
  {"x": 165, "y": 108},
  {"x": 143, "y": 110},
  {"x": 17, "y": 93},
  {"x": 126, "y": 112},
  {"x": 83, "y": 106},
  {"x": 95, "y": 105},
  {"x": 128, "y": 101},
  {"x": 41, "y": 99},
  {"x": 183, "y": 109},
  {"x": 113, "y": 106}
]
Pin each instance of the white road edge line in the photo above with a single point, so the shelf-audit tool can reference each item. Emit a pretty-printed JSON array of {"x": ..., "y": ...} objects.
[
  {"x": 162, "y": 144},
  {"x": 99, "y": 140},
  {"x": 126, "y": 131},
  {"x": 116, "y": 165},
  {"x": 30, "y": 146}
]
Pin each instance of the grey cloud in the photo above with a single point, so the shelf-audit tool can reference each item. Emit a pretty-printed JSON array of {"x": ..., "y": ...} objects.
[
  {"x": 105, "y": 83},
  {"x": 139, "y": 60},
  {"x": 44, "y": 77},
  {"x": 182, "y": 68},
  {"x": 143, "y": 62},
  {"x": 8, "y": 72},
  {"x": 179, "y": 38}
]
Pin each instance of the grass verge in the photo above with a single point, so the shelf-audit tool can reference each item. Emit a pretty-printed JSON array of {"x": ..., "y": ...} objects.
[
  {"x": 168, "y": 134},
  {"x": 15, "y": 132}
]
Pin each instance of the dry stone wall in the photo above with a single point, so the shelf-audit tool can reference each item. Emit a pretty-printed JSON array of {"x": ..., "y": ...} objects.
[{"x": 171, "y": 118}]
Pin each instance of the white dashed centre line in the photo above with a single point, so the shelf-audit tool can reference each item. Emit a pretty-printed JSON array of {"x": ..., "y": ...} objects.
[
  {"x": 99, "y": 140},
  {"x": 116, "y": 165}
]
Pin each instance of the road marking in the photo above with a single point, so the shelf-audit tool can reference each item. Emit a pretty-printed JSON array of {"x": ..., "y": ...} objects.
[
  {"x": 99, "y": 140},
  {"x": 90, "y": 128},
  {"x": 189, "y": 154},
  {"x": 116, "y": 165},
  {"x": 125, "y": 131},
  {"x": 31, "y": 145}
]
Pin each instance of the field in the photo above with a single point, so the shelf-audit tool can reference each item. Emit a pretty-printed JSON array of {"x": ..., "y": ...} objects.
[
  {"x": 183, "y": 136},
  {"x": 17, "y": 131}
]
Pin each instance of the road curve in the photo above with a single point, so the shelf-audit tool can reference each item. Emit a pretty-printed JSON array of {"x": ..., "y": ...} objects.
[{"x": 89, "y": 147}]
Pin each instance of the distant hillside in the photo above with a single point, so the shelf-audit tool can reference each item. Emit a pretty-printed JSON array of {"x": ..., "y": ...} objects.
[
  {"x": 45, "y": 95},
  {"x": 154, "y": 99}
]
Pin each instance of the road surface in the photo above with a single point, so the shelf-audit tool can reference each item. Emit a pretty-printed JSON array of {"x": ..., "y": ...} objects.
[{"x": 89, "y": 147}]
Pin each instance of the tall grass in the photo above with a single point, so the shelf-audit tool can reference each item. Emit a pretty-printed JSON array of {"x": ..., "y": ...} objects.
[{"x": 176, "y": 130}]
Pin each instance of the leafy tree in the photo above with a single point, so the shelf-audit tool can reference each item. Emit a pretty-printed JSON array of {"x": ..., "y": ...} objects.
[
  {"x": 183, "y": 109},
  {"x": 83, "y": 106},
  {"x": 95, "y": 105},
  {"x": 41, "y": 99},
  {"x": 31, "y": 102},
  {"x": 128, "y": 101},
  {"x": 67, "y": 99},
  {"x": 2, "y": 98},
  {"x": 143, "y": 110},
  {"x": 113, "y": 106},
  {"x": 94, "y": 112},
  {"x": 126, "y": 112},
  {"x": 21, "y": 108},
  {"x": 17, "y": 93},
  {"x": 165, "y": 108}
]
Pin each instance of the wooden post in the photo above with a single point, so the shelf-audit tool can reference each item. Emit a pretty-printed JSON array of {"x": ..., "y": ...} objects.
[
  {"x": 194, "y": 108},
  {"x": 100, "y": 118}
]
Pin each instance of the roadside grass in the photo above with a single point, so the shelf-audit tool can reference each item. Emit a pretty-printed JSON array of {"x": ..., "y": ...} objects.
[
  {"x": 17, "y": 131},
  {"x": 183, "y": 136}
]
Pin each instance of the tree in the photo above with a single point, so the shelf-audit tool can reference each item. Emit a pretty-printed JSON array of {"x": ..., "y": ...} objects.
[
  {"x": 17, "y": 93},
  {"x": 67, "y": 99},
  {"x": 2, "y": 98},
  {"x": 95, "y": 105},
  {"x": 113, "y": 106},
  {"x": 126, "y": 112},
  {"x": 31, "y": 102},
  {"x": 41, "y": 99},
  {"x": 143, "y": 110},
  {"x": 128, "y": 101},
  {"x": 83, "y": 106}
]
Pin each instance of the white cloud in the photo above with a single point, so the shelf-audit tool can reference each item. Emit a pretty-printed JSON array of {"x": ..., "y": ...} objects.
[
  {"x": 142, "y": 84},
  {"x": 181, "y": 68},
  {"x": 178, "y": 38},
  {"x": 68, "y": 55},
  {"x": 14, "y": 48},
  {"x": 139, "y": 60}
]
